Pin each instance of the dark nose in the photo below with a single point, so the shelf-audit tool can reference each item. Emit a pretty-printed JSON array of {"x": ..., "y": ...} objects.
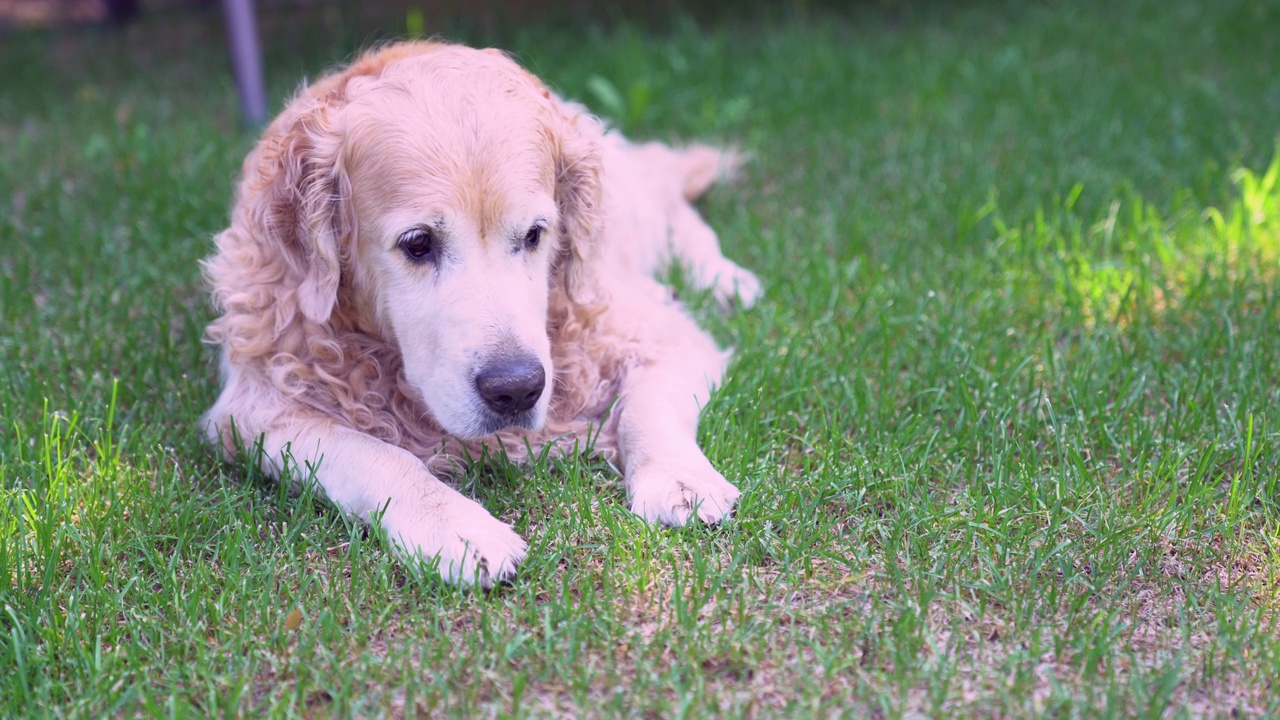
[{"x": 511, "y": 385}]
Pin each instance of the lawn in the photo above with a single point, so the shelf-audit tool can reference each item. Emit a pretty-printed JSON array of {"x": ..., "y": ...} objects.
[{"x": 1007, "y": 419}]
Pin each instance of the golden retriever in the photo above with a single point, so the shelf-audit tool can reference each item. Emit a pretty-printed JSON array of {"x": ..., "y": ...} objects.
[{"x": 430, "y": 252}]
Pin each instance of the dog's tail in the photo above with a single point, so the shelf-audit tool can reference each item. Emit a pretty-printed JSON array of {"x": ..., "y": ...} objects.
[
  {"x": 697, "y": 166},
  {"x": 702, "y": 165}
]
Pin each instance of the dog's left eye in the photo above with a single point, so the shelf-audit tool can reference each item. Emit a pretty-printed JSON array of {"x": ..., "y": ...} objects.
[{"x": 532, "y": 238}]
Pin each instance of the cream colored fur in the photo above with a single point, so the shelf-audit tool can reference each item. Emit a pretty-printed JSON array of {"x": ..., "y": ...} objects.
[{"x": 356, "y": 366}]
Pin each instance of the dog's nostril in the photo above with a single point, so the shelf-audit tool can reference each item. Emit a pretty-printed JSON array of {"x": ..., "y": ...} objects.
[{"x": 511, "y": 385}]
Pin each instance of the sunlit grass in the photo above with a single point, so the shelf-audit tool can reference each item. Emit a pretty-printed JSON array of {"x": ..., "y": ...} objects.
[{"x": 1133, "y": 257}]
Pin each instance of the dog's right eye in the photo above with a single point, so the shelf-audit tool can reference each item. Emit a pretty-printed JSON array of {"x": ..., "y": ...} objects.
[{"x": 419, "y": 245}]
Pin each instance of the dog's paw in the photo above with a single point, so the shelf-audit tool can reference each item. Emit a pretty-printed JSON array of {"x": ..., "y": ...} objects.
[
  {"x": 675, "y": 495},
  {"x": 741, "y": 285},
  {"x": 731, "y": 284},
  {"x": 470, "y": 546}
]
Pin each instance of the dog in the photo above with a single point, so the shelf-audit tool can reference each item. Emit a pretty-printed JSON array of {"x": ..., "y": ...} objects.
[{"x": 430, "y": 253}]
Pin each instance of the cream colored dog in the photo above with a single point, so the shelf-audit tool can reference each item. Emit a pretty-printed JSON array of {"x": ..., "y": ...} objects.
[{"x": 430, "y": 252}]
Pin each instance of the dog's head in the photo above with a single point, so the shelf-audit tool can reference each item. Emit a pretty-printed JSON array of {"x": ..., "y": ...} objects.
[{"x": 439, "y": 194}]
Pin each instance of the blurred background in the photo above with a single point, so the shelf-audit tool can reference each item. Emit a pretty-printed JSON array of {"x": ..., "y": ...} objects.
[
  {"x": 292, "y": 31},
  {"x": 49, "y": 45}
]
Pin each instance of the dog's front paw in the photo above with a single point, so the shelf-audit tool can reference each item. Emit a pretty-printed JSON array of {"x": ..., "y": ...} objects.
[
  {"x": 470, "y": 546},
  {"x": 674, "y": 495}
]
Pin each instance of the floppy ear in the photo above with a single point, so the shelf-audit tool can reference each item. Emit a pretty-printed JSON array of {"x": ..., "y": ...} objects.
[
  {"x": 579, "y": 198},
  {"x": 294, "y": 190}
]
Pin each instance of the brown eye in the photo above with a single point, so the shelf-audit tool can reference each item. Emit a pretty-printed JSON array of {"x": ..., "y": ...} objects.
[
  {"x": 532, "y": 238},
  {"x": 418, "y": 245}
]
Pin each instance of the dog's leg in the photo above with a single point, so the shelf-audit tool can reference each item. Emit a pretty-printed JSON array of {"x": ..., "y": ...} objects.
[
  {"x": 669, "y": 480},
  {"x": 695, "y": 245},
  {"x": 690, "y": 240},
  {"x": 425, "y": 518}
]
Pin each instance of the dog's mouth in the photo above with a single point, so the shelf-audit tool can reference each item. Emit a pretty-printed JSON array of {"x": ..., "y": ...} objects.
[{"x": 491, "y": 423}]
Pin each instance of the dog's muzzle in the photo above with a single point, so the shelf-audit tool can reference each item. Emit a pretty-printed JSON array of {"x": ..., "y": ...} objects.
[{"x": 511, "y": 385}]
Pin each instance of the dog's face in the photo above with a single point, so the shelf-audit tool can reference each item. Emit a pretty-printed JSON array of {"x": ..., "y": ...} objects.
[
  {"x": 453, "y": 182},
  {"x": 465, "y": 191}
]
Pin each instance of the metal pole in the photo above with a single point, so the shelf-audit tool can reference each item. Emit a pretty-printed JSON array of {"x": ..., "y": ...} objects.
[{"x": 246, "y": 59}]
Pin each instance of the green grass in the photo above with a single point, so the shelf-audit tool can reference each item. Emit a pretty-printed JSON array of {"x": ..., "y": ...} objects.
[{"x": 1007, "y": 420}]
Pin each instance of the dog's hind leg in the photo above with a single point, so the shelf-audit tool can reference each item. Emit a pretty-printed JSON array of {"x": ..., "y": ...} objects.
[
  {"x": 690, "y": 240},
  {"x": 695, "y": 245}
]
